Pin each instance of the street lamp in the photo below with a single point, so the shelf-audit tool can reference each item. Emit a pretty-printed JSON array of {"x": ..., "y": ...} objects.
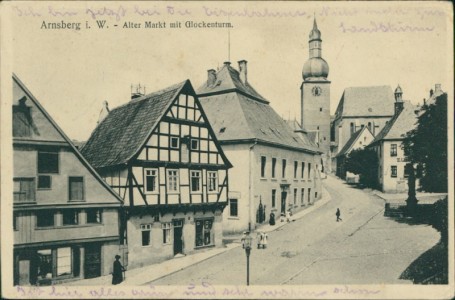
[{"x": 247, "y": 245}]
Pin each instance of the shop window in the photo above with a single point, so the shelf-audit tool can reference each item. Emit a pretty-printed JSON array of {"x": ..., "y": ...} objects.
[
  {"x": 64, "y": 261},
  {"x": 76, "y": 188},
  {"x": 166, "y": 232},
  {"x": 173, "y": 181},
  {"x": 94, "y": 216},
  {"x": 151, "y": 180},
  {"x": 204, "y": 232},
  {"x": 24, "y": 190},
  {"x": 233, "y": 207},
  {"x": 273, "y": 198},
  {"x": 263, "y": 165},
  {"x": 45, "y": 263},
  {"x": 393, "y": 171},
  {"x": 44, "y": 218},
  {"x": 70, "y": 217},
  {"x": 196, "y": 182},
  {"x": 212, "y": 181},
  {"x": 146, "y": 232},
  {"x": 393, "y": 150},
  {"x": 48, "y": 162}
]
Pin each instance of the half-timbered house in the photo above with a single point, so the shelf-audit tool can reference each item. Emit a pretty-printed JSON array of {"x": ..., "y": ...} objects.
[
  {"x": 159, "y": 152},
  {"x": 65, "y": 216}
]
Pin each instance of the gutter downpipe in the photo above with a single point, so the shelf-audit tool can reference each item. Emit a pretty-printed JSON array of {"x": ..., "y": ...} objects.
[{"x": 250, "y": 184}]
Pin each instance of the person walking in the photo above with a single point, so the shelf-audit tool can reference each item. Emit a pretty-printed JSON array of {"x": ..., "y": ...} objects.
[
  {"x": 118, "y": 269},
  {"x": 338, "y": 214}
]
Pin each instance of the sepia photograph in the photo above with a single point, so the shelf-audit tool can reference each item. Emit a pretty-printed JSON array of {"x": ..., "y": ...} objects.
[{"x": 236, "y": 150}]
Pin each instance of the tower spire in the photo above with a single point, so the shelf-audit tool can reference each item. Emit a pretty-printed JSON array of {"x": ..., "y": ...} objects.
[{"x": 315, "y": 25}]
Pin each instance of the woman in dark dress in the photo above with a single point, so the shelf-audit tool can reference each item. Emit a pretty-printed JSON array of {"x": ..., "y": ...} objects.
[{"x": 117, "y": 276}]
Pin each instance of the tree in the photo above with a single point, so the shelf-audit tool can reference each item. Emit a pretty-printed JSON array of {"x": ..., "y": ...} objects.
[
  {"x": 426, "y": 146},
  {"x": 365, "y": 163}
]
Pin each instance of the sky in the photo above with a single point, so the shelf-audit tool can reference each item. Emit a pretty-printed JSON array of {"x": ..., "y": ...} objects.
[{"x": 71, "y": 72}]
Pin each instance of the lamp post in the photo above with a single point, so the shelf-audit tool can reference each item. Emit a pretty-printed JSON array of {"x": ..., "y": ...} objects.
[{"x": 247, "y": 244}]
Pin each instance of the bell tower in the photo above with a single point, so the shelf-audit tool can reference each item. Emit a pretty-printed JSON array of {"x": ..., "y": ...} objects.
[{"x": 315, "y": 96}]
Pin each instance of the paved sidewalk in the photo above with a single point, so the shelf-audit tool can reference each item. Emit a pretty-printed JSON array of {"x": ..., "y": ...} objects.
[{"x": 141, "y": 276}]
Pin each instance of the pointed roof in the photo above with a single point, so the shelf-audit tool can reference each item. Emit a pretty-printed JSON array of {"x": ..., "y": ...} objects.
[
  {"x": 366, "y": 101},
  {"x": 238, "y": 114},
  {"x": 127, "y": 128},
  {"x": 399, "y": 125},
  {"x": 76, "y": 152},
  {"x": 228, "y": 79},
  {"x": 352, "y": 140},
  {"x": 315, "y": 34}
]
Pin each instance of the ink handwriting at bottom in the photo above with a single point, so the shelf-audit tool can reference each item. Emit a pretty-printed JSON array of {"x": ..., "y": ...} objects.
[
  {"x": 237, "y": 291},
  {"x": 205, "y": 289},
  {"x": 150, "y": 292}
]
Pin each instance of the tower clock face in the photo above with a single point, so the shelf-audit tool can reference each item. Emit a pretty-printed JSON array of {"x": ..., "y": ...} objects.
[{"x": 317, "y": 91}]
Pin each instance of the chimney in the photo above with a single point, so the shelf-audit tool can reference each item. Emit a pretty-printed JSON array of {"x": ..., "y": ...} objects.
[
  {"x": 437, "y": 88},
  {"x": 243, "y": 71},
  {"x": 137, "y": 91},
  {"x": 103, "y": 113},
  {"x": 211, "y": 77},
  {"x": 431, "y": 92},
  {"x": 227, "y": 63}
]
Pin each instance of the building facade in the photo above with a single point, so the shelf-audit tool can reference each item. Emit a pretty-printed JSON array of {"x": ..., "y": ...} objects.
[
  {"x": 66, "y": 218},
  {"x": 393, "y": 169},
  {"x": 315, "y": 96},
  {"x": 274, "y": 168},
  {"x": 159, "y": 152}
]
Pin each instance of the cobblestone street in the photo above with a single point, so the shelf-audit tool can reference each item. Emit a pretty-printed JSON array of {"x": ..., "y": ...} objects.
[{"x": 364, "y": 248}]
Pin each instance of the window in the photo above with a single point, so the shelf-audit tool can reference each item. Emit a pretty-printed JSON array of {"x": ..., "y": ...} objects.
[
  {"x": 320, "y": 108},
  {"x": 315, "y": 195},
  {"x": 309, "y": 171},
  {"x": 44, "y": 182},
  {"x": 24, "y": 190},
  {"x": 47, "y": 162},
  {"x": 273, "y": 198},
  {"x": 296, "y": 166},
  {"x": 369, "y": 126},
  {"x": 393, "y": 170},
  {"x": 407, "y": 170},
  {"x": 45, "y": 262},
  {"x": 233, "y": 207},
  {"x": 295, "y": 196},
  {"x": 393, "y": 150},
  {"x": 302, "y": 197},
  {"x": 70, "y": 217},
  {"x": 94, "y": 216},
  {"x": 196, "y": 181},
  {"x": 212, "y": 181},
  {"x": 194, "y": 145},
  {"x": 44, "y": 218},
  {"x": 146, "y": 230},
  {"x": 173, "y": 181},
  {"x": 273, "y": 167},
  {"x": 352, "y": 128},
  {"x": 166, "y": 232},
  {"x": 76, "y": 188},
  {"x": 174, "y": 142},
  {"x": 303, "y": 170},
  {"x": 309, "y": 195},
  {"x": 15, "y": 217},
  {"x": 204, "y": 232},
  {"x": 283, "y": 168},
  {"x": 151, "y": 180},
  {"x": 64, "y": 261},
  {"x": 263, "y": 164}
]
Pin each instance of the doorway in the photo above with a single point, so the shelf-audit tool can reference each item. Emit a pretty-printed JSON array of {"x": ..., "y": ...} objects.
[
  {"x": 178, "y": 233},
  {"x": 92, "y": 265},
  {"x": 283, "y": 202}
]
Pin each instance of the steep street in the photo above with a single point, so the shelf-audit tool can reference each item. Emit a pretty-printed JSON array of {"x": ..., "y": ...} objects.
[{"x": 365, "y": 247}]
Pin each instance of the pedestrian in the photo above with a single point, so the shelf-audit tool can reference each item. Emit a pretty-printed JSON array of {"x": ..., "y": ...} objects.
[
  {"x": 338, "y": 213},
  {"x": 118, "y": 269},
  {"x": 272, "y": 219},
  {"x": 288, "y": 215}
]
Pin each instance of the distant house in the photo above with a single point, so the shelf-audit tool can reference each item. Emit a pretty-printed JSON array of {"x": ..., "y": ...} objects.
[
  {"x": 159, "y": 152},
  {"x": 358, "y": 140},
  {"x": 66, "y": 218},
  {"x": 275, "y": 169},
  {"x": 393, "y": 167},
  {"x": 370, "y": 106}
]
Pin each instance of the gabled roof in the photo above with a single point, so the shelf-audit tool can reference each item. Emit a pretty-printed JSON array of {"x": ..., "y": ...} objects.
[
  {"x": 236, "y": 115},
  {"x": 352, "y": 140},
  {"x": 228, "y": 78},
  {"x": 399, "y": 125},
  {"x": 366, "y": 101},
  {"x": 67, "y": 139},
  {"x": 127, "y": 128}
]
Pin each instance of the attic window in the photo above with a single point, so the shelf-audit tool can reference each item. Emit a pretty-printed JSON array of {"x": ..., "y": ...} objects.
[{"x": 222, "y": 129}]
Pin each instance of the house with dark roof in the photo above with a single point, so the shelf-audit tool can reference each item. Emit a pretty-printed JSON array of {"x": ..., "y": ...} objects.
[
  {"x": 393, "y": 168},
  {"x": 274, "y": 168},
  {"x": 359, "y": 140},
  {"x": 370, "y": 106},
  {"x": 65, "y": 216},
  {"x": 159, "y": 152}
]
